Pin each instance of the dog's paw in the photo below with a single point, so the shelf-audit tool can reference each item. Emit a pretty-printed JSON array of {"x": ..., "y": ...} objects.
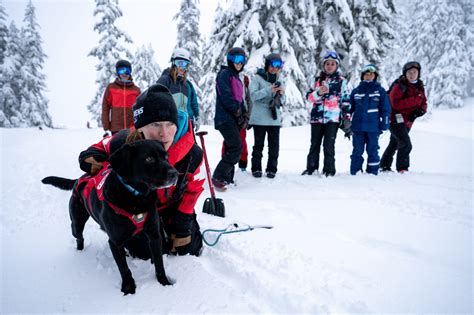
[
  {"x": 163, "y": 279},
  {"x": 128, "y": 287},
  {"x": 80, "y": 244}
]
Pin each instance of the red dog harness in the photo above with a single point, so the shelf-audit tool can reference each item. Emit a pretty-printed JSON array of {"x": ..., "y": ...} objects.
[{"x": 97, "y": 182}]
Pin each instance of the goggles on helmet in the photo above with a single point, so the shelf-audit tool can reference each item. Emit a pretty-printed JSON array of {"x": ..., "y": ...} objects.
[
  {"x": 331, "y": 55},
  {"x": 124, "y": 70},
  {"x": 369, "y": 68},
  {"x": 236, "y": 59},
  {"x": 181, "y": 63},
  {"x": 276, "y": 63}
]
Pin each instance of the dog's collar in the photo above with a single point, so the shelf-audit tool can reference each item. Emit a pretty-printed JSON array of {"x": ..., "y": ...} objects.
[{"x": 130, "y": 188}]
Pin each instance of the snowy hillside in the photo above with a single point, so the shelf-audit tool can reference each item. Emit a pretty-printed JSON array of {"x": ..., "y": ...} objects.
[{"x": 348, "y": 244}]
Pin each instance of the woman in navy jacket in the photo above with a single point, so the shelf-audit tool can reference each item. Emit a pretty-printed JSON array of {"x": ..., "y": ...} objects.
[
  {"x": 231, "y": 116},
  {"x": 371, "y": 116}
]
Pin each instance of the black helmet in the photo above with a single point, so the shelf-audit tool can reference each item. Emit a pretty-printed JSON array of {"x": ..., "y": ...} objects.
[
  {"x": 236, "y": 55},
  {"x": 271, "y": 57},
  {"x": 123, "y": 64},
  {"x": 410, "y": 65}
]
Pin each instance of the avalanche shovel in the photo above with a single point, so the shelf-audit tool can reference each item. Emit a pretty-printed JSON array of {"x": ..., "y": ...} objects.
[{"x": 212, "y": 205}]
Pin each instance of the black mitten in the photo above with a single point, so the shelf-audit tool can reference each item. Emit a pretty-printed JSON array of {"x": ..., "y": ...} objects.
[
  {"x": 416, "y": 113},
  {"x": 182, "y": 224},
  {"x": 346, "y": 128}
]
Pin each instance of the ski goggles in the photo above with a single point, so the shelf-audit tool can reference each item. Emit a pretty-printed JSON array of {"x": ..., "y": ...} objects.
[
  {"x": 331, "y": 54},
  {"x": 276, "y": 63},
  {"x": 124, "y": 70},
  {"x": 181, "y": 63},
  {"x": 237, "y": 59},
  {"x": 369, "y": 68}
]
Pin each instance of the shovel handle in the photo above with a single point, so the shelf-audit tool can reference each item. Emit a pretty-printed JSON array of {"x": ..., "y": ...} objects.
[{"x": 201, "y": 135}]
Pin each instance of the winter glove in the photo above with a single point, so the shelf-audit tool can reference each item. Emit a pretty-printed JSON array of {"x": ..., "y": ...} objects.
[
  {"x": 196, "y": 124},
  {"x": 181, "y": 226},
  {"x": 242, "y": 119},
  {"x": 95, "y": 166},
  {"x": 245, "y": 123},
  {"x": 346, "y": 128},
  {"x": 416, "y": 113}
]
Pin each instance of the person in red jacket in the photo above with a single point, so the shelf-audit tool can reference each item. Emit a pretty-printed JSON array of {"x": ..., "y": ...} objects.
[
  {"x": 118, "y": 99},
  {"x": 157, "y": 118},
  {"x": 408, "y": 100}
]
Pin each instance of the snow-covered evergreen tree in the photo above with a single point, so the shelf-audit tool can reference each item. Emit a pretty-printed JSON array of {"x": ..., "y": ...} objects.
[
  {"x": 468, "y": 9},
  {"x": 336, "y": 26},
  {"x": 437, "y": 39},
  {"x": 8, "y": 101},
  {"x": 359, "y": 30},
  {"x": 12, "y": 82},
  {"x": 145, "y": 69},
  {"x": 188, "y": 35},
  {"x": 33, "y": 103},
  {"x": 110, "y": 49},
  {"x": 3, "y": 32},
  {"x": 372, "y": 37},
  {"x": 391, "y": 67},
  {"x": 222, "y": 38}
]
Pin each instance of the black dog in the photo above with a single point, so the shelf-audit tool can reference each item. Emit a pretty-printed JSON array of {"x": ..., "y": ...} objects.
[{"x": 122, "y": 199}]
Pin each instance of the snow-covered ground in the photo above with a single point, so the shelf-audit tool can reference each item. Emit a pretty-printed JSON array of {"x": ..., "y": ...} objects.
[{"x": 349, "y": 244}]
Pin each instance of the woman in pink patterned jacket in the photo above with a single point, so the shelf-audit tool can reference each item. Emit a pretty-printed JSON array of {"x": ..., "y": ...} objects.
[{"x": 330, "y": 98}]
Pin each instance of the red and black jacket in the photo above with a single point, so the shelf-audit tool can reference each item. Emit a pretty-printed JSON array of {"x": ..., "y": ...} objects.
[
  {"x": 405, "y": 98},
  {"x": 117, "y": 103}
]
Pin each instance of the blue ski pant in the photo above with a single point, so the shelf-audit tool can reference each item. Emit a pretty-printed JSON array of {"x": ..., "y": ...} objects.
[{"x": 362, "y": 140}]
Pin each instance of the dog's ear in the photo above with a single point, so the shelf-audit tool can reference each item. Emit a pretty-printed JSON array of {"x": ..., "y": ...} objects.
[{"x": 120, "y": 160}]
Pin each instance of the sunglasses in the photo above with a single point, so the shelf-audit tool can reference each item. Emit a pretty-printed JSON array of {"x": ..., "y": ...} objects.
[
  {"x": 237, "y": 59},
  {"x": 276, "y": 63},
  {"x": 369, "y": 68},
  {"x": 180, "y": 63},
  {"x": 331, "y": 54},
  {"x": 124, "y": 70}
]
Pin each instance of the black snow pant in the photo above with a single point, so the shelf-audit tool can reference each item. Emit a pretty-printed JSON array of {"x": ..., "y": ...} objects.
[
  {"x": 224, "y": 171},
  {"x": 399, "y": 140},
  {"x": 325, "y": 133},
  {"x": 273, "y": 147}
]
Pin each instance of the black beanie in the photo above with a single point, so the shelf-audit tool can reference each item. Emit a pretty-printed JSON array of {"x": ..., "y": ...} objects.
[{"x": 154, "y": 104}]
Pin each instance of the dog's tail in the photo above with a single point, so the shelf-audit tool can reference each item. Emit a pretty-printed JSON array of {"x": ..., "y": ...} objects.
[{"x": 59, "y": 182}]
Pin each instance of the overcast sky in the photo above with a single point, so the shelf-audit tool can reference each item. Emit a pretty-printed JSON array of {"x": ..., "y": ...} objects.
[{"x": 68, "y": 36}]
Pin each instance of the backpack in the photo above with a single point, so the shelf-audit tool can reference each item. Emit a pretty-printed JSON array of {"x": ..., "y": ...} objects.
[{"x": 403, "y": 86}]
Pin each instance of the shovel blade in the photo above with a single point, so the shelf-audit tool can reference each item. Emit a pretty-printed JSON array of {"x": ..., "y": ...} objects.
[{"x": 214, "y": 206}]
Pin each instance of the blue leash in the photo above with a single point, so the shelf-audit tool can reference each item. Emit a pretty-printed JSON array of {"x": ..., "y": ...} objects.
[{"x": 232, "y": 228}]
